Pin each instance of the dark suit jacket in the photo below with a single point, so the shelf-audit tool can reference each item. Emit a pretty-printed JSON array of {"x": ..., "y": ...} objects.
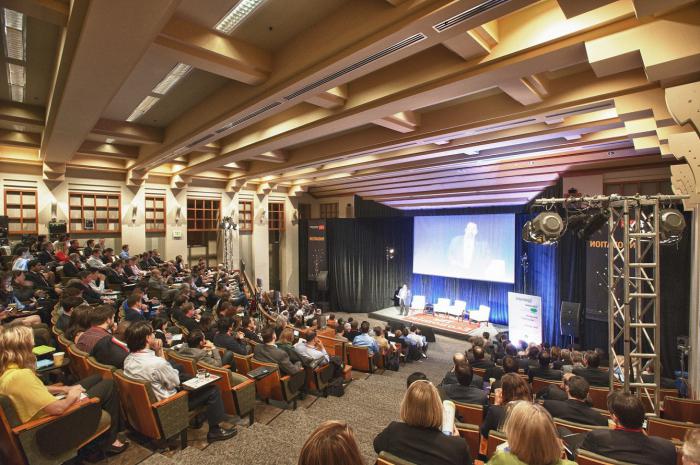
[
  {"x": 45, "y": 257},
  {"x": 465, "y": 394},
  {"x": 494, "y": 372},
  {"x": 483, "y": 363},
  {"x": 494, "y": 418},
  {"x": 451, "y": 378},
  {"x": 108, "y": 352},
  {"x": 272, "y": 354},
  {"x": 70, "y": 270},
  {"x": 230, "y": 343},
  {"x": 90, "y": 295},
  {"x": 422, "y": 445},
  {"x": 132, "y": 315},
  {"x": 594, "y": 376},
  {"x": 628, "y": 446},
  {"x": 576, "y": 411},
  {"x": 544, "y": 373}
]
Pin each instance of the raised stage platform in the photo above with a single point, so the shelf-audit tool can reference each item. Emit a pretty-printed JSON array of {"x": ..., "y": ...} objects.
[{"x": 440, "y": 324}]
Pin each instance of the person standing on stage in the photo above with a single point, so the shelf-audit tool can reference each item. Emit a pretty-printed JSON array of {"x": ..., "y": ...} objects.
[{"x": 404, "y": 299}]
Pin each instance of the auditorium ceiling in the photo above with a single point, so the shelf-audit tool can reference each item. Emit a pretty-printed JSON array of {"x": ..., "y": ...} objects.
[{"x": 412, "y": 103}]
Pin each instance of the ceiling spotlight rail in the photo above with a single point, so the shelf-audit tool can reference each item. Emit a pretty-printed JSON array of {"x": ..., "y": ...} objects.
[{"x": 636, "y": 228}]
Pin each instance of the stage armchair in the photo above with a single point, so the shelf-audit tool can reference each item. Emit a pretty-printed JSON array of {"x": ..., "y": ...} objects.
[
  {"x": 480, "y": 316},
  {"x": 442, "y": 306},
  {"x": 49, "y": 440},
  {"x": 458, "y": 309},
  {"x": 418, "y": 303}
]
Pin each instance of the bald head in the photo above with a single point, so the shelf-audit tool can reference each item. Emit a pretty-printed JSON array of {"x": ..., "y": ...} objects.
[{"x": 459, "y": 358}]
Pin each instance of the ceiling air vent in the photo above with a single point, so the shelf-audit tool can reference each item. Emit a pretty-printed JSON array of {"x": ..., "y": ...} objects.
[
  {"x": 505, "y": 125},
  {"x": 576, "y": 111},
  {"x": 407, "y": 42},
  {"x": 247, "y": 117},
  {"x": 199, "y": 141},
  {"x": 468, "y": 14}
]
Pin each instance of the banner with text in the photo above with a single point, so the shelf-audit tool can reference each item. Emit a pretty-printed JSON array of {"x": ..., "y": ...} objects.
[
  {"x": 524, "y": 318},
  {"x": 318, "y": 260}
]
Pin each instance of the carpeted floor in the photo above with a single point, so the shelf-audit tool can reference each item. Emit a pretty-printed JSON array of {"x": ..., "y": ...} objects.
[{"x": 369, "y": 404}]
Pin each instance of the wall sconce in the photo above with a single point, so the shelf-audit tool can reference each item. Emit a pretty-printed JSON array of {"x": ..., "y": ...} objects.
[
  {"x": 54, "y": 210},
  {"x": 178, "y": 215},
  {"x": 134, "y": 212},
  {"x": 263, "y": 215},
  {"x": 295, "y": 217}
]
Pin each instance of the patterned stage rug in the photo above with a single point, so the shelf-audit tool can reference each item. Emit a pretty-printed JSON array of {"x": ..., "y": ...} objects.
[{"x": 442, "y": 322}]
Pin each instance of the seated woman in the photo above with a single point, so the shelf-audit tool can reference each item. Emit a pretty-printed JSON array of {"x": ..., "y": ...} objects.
[
  {"x": 332, "y": 442},
  {"x": 32, "y": 400},
  {"x": 286, "y": 343},
  {"x": 513, "y": 388},
  {"x": 532, "y": 438},
  {"x": 418, "y": 437}
]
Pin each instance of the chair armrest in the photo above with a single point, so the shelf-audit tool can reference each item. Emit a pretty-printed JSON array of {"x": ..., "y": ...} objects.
[
  {"x": 42, "y": 421},
  {"x": 170, "y": 399}
]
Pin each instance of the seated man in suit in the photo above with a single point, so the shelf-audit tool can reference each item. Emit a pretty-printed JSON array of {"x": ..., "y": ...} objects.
[
  {"x": 73, "y": 267},
  {"x": 227, "y": 339},
  {"x": 592, "y": 372},
  {"x": 544, "y": 371},
  {"x": 510, "y": 365},
  {"x": 628, "y": 442},
  {"x": 575, "y": 408},
  {"x": 133, "y": 310},
  {"x": 249, "y": 330},
  {"x": 112, "y": 350},
  {"x": 270, "y": 353},
  {"x": 463, "y": 391},
  {"x": 479, "y": 361},
  {"x": 187, "y": 317},
  {"x": 201, "y": 350},
  {"x": 451, "y": 376}
]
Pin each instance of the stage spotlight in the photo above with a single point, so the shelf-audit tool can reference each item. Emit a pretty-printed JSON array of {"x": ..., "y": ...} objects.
[
  {"x": 546, "y": 228},
  {"x": 671, "y": 226}
]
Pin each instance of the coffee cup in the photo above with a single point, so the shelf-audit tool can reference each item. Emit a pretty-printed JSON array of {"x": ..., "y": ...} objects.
[
  {"x": 58, "y": 358},
  {"x": 492, "y": 380}
]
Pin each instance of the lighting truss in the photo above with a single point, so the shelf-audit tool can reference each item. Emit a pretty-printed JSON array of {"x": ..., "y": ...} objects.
[{"x": 634, "y": 293}]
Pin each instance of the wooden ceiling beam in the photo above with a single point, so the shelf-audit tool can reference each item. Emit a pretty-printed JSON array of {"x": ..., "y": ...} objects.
[
  {"x": 20, "y": 139},
  {"x": 51, "y": 11},
  {"x": 215, "y": 53},
  {"x": 334, "y": 97},
  {"x": 90, "y": 147},
  {"x": 125, "y": 131},
  {"x": 403, "y": 121}
]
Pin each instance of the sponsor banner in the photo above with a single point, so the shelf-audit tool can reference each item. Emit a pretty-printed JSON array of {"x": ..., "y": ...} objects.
[
  {"x": 317, "y": 255},
  {"x": 524, "y": 318}
]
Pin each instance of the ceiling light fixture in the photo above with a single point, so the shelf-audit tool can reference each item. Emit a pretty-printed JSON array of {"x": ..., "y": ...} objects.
[
  {"x": 16, "y": 75},
  {"x": 109, "y": 140},
  {"x": 15, "y": 50},
  {"x": 143, "y": 107},
  {"x": 17, "y": 93},
  {"x": 178, "y": 72},
  {"x": 237, "y": 15}
]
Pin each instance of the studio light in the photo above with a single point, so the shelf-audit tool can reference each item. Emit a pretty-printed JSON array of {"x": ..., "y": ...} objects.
[
  {"x": 546, "y": 228},
  {"x": 671, "y": 226}
]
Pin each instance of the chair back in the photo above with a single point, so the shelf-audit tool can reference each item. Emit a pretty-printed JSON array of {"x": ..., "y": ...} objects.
[
  {"x": 328, "y": 332},
  {"x": 480, "y": 371},
  {"x": 599, "y": 396},
  {"x": 663, "y": 393},
  {"x": 10, "y": 449},
  {"x": 669, "y": 429},
  {"x": 679, "y": 409},
  {"x": 496, "y": 438},
  {"x": 270, "y": 386},
  {"x": 359, "y": 358},
  {"x": 460, "y": 305},
  {"x": 470, "y": 413},
  {"x": 539, "y": 384},
  {"x": 62, "y": 343},
  {"x": 188, "y": 363},
  {"x": 471, "y": 434},
  {"x": 97, "y": 368},
  {"x": 224, "y": 384},
  {"x": 136, "y": 398},
  {"x": 385, "y": 458},
  {"x": 242, "y": 363},
  {"x": 576, "y": 427},
  {"x": 78, "y": 360},
  {"x": 585, "y": 457}
]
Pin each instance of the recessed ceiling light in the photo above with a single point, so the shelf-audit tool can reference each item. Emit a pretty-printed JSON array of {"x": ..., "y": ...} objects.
[
  {"x": 238, "y": 13},
  {"x": 13, "y": 19},
  {"x": 143, "y": 107},
  {"x": 16, "y": 75},
  {"x": 109, "y": 140},
  {"x": 178, "y": 72}
]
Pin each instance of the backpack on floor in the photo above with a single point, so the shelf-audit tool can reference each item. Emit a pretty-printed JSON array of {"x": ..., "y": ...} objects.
[
  {"x": 392, "y": 362},
  {"x": 335, "y": 387}
]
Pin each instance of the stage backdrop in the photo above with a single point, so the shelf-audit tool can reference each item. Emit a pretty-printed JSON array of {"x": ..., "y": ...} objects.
[{"x": 362, "y": 280}]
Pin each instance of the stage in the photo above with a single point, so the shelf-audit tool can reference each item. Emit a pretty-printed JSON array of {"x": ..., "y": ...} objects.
[{"x": 440, "y": 324}]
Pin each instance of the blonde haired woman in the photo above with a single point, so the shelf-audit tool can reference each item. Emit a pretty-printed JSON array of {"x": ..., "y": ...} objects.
[
  {"x": 32, "y": 400},
  {"x": 418, "y": 437},
  {"x": 332, "y": 442},
  {"x": 532, "y": 438}
]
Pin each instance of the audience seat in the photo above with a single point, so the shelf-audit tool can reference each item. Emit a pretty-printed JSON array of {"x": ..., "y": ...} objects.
[
  {"x": 274, "y": 386},
  {"x": 237, "y": 391},
  {"x": 669, "y": 429},
  {"x": 576, "y": 427},
  {"x": 539, "y": 383},
  {"x": 470, "y": 413},
  {"x": 663, "y": 393},
  {"x": 471, "y": 434},
  {"x": 242, "y": 363},
  {"x": 157, "y": 420},
  {"x": 599, "y": 396},
  {"x": 97, "y": 368},
  {"x": 359, "y": 359},
  {"x": 496, "y": 438},
  {"x": 585, "y": 457},
  {"x": 317, "y": 378},
  {"x": 188, "y": 364},
  {"x": 385, "y": 458},
  {"x": 679, "y": 409},
  {"x": 49, "y": 440},
  {"x": 78, "y": 361}
]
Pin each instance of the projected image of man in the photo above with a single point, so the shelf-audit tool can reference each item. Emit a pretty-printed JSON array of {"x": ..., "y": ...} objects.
[{"x": 470, "y": 256}]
